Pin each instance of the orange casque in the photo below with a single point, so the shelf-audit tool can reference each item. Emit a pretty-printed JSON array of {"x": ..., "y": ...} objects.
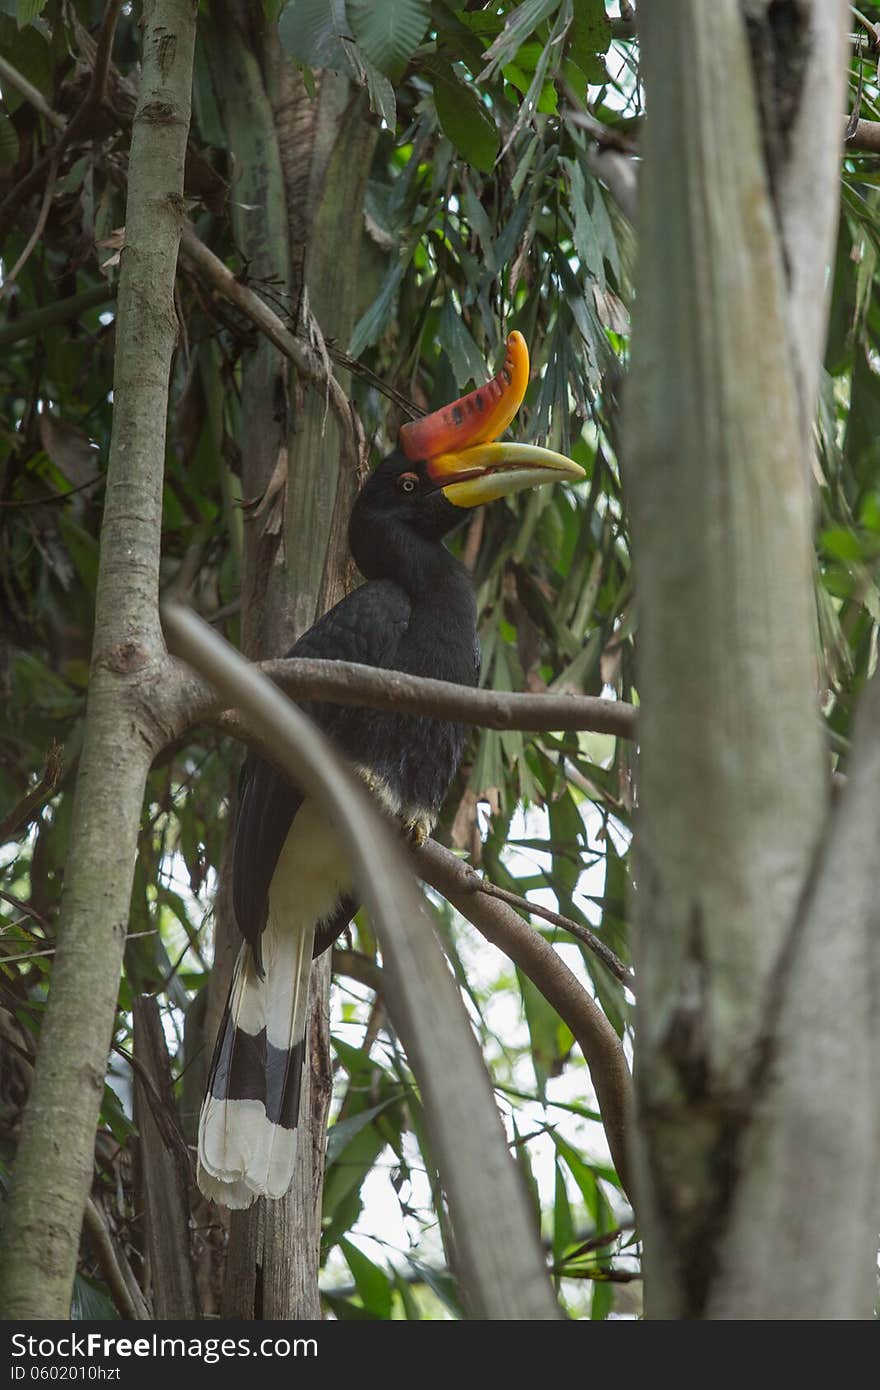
[{"x": 476, "y": 418}]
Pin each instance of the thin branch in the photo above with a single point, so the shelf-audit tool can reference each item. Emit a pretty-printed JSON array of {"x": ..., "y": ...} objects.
[
  {"x": 589, "y": 939},
  {"x": 307, "y": 361},
  {"x": 29, "y": 325},
  {"x": 52, "y": 498},
  {"x": 607, "y": 137},
  {"x": 98, "y": 84},
  {"x": 105, "y": 1252},
  {"x": 50, "y": 951},
  {"x": 30, "y": 803},
  {"x": 873, "y": 30},
  {"x": 595, "y": 1036},
  {"x": 358, "y": 967},
  {"x": 357, "y": 368},
  {"x": 37, "y": 232},
  {"x": 26, "y": 908},
  {"x": 35, "y": 98}
]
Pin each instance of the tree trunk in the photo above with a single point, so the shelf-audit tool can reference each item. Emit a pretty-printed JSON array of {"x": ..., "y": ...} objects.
[
  {"x": 728, "y": 332},
  {"x": 55, "y": 1157}
]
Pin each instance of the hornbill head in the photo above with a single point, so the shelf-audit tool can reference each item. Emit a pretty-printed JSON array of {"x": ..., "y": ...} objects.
[{"x": 453, "y": 459}]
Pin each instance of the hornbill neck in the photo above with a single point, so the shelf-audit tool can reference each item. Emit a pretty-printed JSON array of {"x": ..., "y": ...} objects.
[{"x": 420, "y": 564}]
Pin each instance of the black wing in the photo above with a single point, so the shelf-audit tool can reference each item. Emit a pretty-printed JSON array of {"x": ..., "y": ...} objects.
[{"x": 367, "y": 626}]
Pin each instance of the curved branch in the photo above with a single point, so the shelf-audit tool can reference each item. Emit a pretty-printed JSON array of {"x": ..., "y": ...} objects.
[
  {"x": 501, "y": 1260},
  {"x": 311, "y": 365},
  {"x": 128, "y": 1305},
  {"x": 31, "y": 94},
  {"x": 595, "y": 1036},
  {"x": 583, "y": 934}
]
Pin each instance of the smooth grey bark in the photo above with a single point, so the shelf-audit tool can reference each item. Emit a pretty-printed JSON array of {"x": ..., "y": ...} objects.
[
  {"x": 810, "y": 1186},
  {"x": 55, "y": 1156},
  {"x": 728, "y": 334}
]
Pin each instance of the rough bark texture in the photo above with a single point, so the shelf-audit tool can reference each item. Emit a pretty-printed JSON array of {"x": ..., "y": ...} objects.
[
  {"x": 55, "y": 1156},
  {"x": 733, "y": 782}
]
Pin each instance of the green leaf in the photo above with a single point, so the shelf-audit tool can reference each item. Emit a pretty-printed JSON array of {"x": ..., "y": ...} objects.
[
  {"x": 8, "y": 140},
  {"x": 457, "y": 343},
  {"x": 372, "y": 323},
  {"x": 441, "y": 1283},
  {"x": 602, "y": 1302},
  {"x": 29, "y": 52},
  {"x": 389, "y": 31},
  {"x": 341, "y": 1134},
  {"x": 550, "y": 1040},
  {"x": 465, "y": 121},
  {"x": 585, "y": 1178},
  {"x": 521, "y": 22},
  {"x": 91, "y": 1301},
  {"x": 381, "y": 92},
  {"x": 563, "y": 1225},
  {"x": 114, "y": 1117},
  {"x": 586, "y": 241},
  {"x": 407, "y": 1298},
  {"x": 589, "y": 36},
  {"x": 313, "y": 31},
  {"x": 372, "y": 1283},
  {"x": 28, "y": 11},
  {"x": 842, "y": 544},
  {"x": 344, "y": 1309}
]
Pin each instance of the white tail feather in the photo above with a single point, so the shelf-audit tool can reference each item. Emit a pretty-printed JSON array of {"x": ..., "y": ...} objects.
[{"x": 242, "y": 1153}]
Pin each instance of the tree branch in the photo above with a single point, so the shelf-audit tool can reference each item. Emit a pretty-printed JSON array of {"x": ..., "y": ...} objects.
[
  {"x": 349, "y": 683},
  {"x": 595, "y": 1036},
  {"x": 309, "y": 363},
  {"x": 865, "y": 137},
  {"x": 816, "y": 1081},
  {"x": 31, "y": 94},
  {"x": 105, "y": 1253},
  {"x": 29, "y": 325},
  {"x": 589, "y": 939},
  {"x": 23, "y": 812}
]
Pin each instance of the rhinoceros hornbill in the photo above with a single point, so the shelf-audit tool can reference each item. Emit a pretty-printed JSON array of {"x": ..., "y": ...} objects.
[{"x": 291, "y": 889}]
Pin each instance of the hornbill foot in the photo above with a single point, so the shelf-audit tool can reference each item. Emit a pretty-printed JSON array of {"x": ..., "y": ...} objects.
[{"x": 417, "y": 829}]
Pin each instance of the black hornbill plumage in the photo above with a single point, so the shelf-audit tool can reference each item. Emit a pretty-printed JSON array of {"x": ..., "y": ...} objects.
[{"x": 291, "y": 893}]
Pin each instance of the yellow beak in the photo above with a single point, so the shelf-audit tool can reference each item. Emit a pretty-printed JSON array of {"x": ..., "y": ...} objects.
[{"x": 459, "y": 447}]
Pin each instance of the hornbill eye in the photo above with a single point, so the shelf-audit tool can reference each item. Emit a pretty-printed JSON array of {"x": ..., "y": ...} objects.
[{"x": 408, "y": 482}]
